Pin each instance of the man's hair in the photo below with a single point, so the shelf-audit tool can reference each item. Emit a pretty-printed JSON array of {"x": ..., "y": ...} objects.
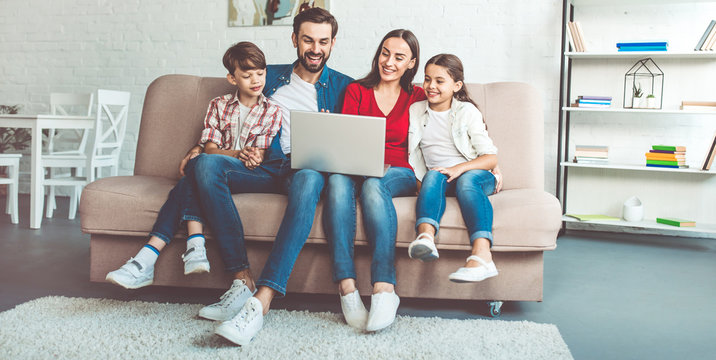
[
  {"x": 244, "y": 55},
  {"x": 318, "y": 16}
]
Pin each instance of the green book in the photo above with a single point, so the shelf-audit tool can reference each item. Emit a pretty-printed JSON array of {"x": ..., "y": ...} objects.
[
  {"x": 668, "y": 148},
  {"x": 676, "y": 222},
  {"x": 662, "y": 162}
]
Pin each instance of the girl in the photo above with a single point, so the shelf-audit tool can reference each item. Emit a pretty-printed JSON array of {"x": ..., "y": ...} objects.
[
  {"x": 448, "y": 137},
  {"x": 386, "y": 91}
]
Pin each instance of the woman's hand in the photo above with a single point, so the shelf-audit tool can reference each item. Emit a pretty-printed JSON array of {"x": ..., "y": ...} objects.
[
  {"x": 498, "y": 176},
  {"x": 194, "y": 152}
]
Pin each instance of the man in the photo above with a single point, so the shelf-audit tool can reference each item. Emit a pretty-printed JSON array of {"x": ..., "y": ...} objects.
[{"x": 306, "y": 85}]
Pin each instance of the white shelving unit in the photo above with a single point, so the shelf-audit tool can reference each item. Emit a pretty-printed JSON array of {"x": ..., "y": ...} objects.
[{"x": 615, "y": 170}]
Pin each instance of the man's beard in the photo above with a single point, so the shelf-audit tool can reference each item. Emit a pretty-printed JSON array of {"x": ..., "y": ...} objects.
[{"x": 311, "y": 67}]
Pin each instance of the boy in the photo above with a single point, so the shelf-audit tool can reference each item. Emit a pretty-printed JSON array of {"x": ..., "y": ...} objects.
[{"x": 238, "y": 127}]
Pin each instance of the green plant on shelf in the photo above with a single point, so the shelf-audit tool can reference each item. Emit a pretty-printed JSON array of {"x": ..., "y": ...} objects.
[{"x": 638, "y": 92}]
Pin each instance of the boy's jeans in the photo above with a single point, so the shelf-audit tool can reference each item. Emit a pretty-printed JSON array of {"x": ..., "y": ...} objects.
[
  {"x": 471, "y": 190},
  {"x": 379, "y": 220}
]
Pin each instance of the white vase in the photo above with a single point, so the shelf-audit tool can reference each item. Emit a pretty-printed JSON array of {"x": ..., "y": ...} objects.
[
  {"x": 636, "y": 102},
  {"x": 633, "y": 209},
  {"x": 651, "y": 102}
]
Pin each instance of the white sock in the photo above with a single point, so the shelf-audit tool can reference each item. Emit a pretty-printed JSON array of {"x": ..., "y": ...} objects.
[
  {"x": 146, "y": 256},
  {"x": 196, "y": 240}
]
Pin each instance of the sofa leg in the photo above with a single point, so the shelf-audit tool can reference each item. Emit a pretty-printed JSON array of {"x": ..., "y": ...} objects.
[{"x": 495, "y": 308}]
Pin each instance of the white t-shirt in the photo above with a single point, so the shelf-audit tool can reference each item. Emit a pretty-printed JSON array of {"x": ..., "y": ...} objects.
[
  {"x": 437, "y": 143},
  {"x": 296, "y": 95},
  {"x": 243, "y": 114}
]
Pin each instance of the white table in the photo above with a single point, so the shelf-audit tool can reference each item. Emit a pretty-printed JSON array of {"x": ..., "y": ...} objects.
[{"x": 36, "y": 123}]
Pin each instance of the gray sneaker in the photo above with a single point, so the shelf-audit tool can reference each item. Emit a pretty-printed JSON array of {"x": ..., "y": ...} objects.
[
  {"x": 195, "y": 260},
  {"x": 229, "y": 304},
  {"x": 132, "y": 275}
]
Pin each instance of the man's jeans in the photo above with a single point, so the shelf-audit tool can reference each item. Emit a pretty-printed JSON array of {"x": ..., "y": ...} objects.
[
  {"x": 379, "y": 220},
  {"x": 181, "y": 205},
  {"x": 217, "y": 177},
  {"x": 471, "y": 189}
]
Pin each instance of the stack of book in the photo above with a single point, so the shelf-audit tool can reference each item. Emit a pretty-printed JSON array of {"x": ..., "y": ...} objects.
[
  {"x": 593, "y": 101},
  {"x": 710, "y": 155},
  {"x": 592, "y": 154},
  {"x": 708, "y": 39},
  {"x": 575, "y": 36},
  {"x": 698, "y": 105},
  {"x": 643, "y": 46},
  {"x": 667, "y": 156}
]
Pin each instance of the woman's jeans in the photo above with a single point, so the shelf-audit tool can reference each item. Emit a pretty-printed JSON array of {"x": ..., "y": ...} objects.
[
  {"x": 471, "y": 190},
  {"x": 181, "y": 205},
  {"x": 216, "y": 178},
  {"x": 379, "y": 220}
]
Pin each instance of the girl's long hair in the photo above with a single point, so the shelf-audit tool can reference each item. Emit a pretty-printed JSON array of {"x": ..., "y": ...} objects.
[
  {"x": 373, "y": 77},
  {"x": 454, "y": 68}
]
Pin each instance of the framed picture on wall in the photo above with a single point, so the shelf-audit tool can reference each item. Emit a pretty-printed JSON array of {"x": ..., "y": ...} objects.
[{"x": 269, "y": 12}]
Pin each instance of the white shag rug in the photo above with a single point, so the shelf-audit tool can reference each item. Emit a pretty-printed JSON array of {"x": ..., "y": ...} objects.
[{"x": 77, "y": 328}]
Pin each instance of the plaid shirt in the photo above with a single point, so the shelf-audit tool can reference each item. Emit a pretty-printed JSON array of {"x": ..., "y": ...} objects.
[{"x": 222, "y": 122}]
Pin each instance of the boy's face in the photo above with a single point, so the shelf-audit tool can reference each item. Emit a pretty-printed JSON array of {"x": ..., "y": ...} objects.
[
  {"x": 313, "y": 44},
  {"x": 249, "y": 82}
]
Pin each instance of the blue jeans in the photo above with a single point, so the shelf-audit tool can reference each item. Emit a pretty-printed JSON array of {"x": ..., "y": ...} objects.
[
  {"x": 471, "y": 189},
  {"x": 304, "y": 191},
  {"x": 379, "y": 220},
  {"x": 181, "y": 205},
  {"x": 219, "y": 176}
]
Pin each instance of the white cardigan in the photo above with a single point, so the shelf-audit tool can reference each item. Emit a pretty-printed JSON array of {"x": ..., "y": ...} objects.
[{"x": 469, "y": 133}]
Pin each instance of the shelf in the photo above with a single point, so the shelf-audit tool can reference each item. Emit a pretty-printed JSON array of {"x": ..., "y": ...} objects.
[
  {"x": 644, "y": 226},
  {"x": 643, "y": 111},
  {"x": 637, "y": 168},
  {"x": 642, "y": 54},
  {"x": 633, "y": 2}
]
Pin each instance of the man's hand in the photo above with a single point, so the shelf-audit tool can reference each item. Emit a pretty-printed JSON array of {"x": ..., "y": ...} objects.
[
  {"x": 194, "y": 152},
  {"x": 251, "y": 156},
  {"x": 498, "y": 175}
]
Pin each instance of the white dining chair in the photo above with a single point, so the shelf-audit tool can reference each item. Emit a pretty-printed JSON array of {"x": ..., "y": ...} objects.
[
  {"x": 67, "y": 104},
  {"x": 103, "y": 150},
  {"x": 12, "y": 163}
]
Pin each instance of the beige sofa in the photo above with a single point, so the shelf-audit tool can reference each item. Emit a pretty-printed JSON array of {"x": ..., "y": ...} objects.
[{"x": 118, "y": 212}]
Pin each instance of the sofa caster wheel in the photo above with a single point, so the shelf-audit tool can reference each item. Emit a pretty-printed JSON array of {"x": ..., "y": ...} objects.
[{"x": 495, "y": 308}]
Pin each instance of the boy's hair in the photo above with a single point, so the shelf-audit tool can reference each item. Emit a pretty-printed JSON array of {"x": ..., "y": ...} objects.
[
  {"x": 373, "y": 77},
  {"x": 244, "y": 55},
  {"x": 454, "y": 68},
  {"x": 315, "y": 15}
]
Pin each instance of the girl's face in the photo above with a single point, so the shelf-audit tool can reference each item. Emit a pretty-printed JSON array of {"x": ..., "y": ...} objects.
[
  {"x": 395, "y": 58},
  {"x": 439, "y": 87}
]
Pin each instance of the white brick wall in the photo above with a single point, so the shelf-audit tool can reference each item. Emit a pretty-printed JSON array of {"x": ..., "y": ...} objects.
[{"x": 82, "y": 45}]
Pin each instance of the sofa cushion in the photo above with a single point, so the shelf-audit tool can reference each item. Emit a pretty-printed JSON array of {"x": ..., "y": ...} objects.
[{"x": 524, "y": 219}]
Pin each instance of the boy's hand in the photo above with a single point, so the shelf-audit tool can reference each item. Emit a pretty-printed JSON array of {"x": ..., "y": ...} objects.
[
  {"x": 251, "y": 156},
  {"x": 498, "y": 175},
  {"x": 194, "y": 152}
]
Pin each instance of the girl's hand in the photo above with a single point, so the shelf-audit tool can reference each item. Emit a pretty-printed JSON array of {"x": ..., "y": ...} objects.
[
  {"x": 498, "y": 176},
  {"x": 452, "y": 172},
  {"x": 418, "y": 185}
]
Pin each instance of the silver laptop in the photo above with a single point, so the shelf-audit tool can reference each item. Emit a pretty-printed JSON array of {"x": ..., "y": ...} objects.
[{"x": 338, "y": 143}]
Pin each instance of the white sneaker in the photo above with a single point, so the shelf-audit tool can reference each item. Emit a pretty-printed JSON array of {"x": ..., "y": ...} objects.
[
  {"x": 474, "y": 274},
  {"x": 195, "y": 260},
  {"x": 353, "y": 310},
  {"x": 245, "y": 325},
  {"x": 423, "y": 248},
  {"x": 383, "y": 307},
  {"x": 229, "y": 304},
  {"x": 132, "y": 275}
]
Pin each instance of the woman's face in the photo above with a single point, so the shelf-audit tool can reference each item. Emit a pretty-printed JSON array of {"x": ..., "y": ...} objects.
[{"x": 395, "y": 58}]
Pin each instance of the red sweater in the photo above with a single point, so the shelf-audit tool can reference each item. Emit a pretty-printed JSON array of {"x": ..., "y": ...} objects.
[{"x": 360, "y": 100}]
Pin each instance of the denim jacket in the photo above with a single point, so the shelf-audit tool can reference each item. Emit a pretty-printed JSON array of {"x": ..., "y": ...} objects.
[
  {"x": 330, "y": 87},
  {"x": 468, "y": 131}
]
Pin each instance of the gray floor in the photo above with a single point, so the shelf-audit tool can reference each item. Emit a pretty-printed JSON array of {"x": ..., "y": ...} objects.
[{"x": 612, "y": 296}]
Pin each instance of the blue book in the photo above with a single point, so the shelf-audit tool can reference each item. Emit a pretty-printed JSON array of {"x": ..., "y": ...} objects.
[
  {"x": 590, "y": 97},
  {"x": 643, "y": 48},
  {"x": 645, "y": 43},
  {"x": 663, "y": 166},
  {"x": 594, "y": 102},
  {"x": 705, "y": 35}
]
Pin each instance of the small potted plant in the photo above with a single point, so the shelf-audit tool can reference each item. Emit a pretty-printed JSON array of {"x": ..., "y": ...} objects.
[
  {"x": 651, "y": 101},
  {"x": 637, "y": 92}
]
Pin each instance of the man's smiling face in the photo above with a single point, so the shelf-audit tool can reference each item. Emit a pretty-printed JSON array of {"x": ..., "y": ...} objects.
[{"x": 313, "y": 45}]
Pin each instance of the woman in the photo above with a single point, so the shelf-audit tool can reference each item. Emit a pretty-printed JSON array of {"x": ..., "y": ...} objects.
[{"x": 386, "y": 91}]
